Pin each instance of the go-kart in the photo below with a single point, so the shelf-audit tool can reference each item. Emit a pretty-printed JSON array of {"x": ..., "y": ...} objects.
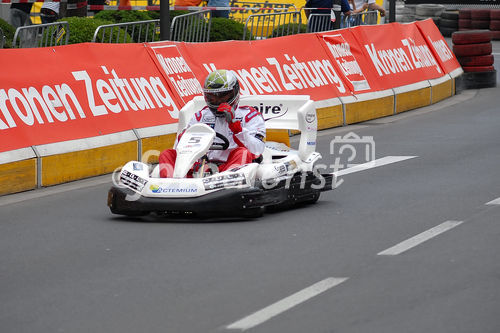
[{"x": 282, "y": 177}]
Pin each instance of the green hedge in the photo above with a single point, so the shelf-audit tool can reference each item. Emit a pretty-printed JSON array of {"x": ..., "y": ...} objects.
[
  {"x": 226, "y": 29},
  {"x": 288, "y": 29},
  {"x": 8, "y": 31},
  {"x": 82, "y": 30},
  {"x": 122, "y": 16}
]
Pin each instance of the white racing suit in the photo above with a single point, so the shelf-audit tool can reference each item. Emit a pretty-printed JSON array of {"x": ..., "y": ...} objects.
[{"x": 251, "y": 137}]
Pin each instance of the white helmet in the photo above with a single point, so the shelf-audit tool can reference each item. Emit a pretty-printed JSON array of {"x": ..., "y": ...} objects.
[{"x": 221, "y": 86}]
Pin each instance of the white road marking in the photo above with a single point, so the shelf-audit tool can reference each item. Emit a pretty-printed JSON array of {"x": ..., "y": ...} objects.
[
  {"x": 285, "y": 304},
  {"x": 420, "y": 238},
  {"x": 494, "y": 202},
  {"x": 373, "y": 164}
]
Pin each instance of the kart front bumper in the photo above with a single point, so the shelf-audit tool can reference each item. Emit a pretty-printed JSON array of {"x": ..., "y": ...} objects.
[{"x": 228, "y": 202}]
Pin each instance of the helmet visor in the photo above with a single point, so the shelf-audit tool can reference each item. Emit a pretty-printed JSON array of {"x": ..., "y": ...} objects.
[{"x": 215, "y": 99}]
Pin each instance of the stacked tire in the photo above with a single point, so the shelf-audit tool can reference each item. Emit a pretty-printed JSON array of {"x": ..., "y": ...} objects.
[
  {"x": 448, "y": 23},
  {"x": 479, "y": 19},
  {"x": 495, "y": 23},
  {"x": 464, "y": 19},
  {"x": 473, "y": 50},
  {"x": 428, "y": 10}
]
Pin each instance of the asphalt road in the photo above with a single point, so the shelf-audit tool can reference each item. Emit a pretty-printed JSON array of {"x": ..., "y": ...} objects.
[{"x": 409, "y": 246}]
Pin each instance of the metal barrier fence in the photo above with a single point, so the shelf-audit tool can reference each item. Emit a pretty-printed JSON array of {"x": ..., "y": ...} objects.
[
  {"x": 41, "y": 35},
  {"x": 322, "y": 22},
  {"x": 192, "y": 27},
  {"x": 2, "y": 39},
  {"x": 260, "y": 26},
  {"x": 129, "y": 32}
]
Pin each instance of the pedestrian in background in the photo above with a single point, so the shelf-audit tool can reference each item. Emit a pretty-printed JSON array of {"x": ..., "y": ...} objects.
[
  {"x": 219, "y": 3},
  {"x": 20, "y": 14},
  {"x": 49, "y": 12}
]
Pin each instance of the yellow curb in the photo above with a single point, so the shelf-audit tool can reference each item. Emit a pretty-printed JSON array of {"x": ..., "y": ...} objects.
[
  {"x": 413, "y": 99},
  {"x": 330, "y": 117},
  {"x": 61, "y": 168},
  {"x": 370, "y": 109},
  {"x": 153, "y": 146},
  {"x": 278, "y": 135},
  {"x": 18, "y": 176},
  {"x": 441, "y": 91}
]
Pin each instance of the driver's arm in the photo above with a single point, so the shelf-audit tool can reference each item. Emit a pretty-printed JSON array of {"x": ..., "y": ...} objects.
[{"x": 253, "y": 132}]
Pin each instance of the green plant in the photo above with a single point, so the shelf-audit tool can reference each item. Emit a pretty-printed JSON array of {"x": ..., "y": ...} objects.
[
  {"x": 226, "y": 29},
  {"x": 155, "y": 14},
  {"x": 8, "y": 31},
  {"x": 82, "y": 30},
  {"x": 122, "y": 16},
  {"x": 288, "y": 29}
]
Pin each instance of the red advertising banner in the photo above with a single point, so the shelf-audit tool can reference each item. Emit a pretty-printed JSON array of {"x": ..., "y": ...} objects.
[
  {"x": 86, "y": 90},
  {"x": 347, "y": 54},
  {"x": 438, "y": 45},
  {"x": 79, "y": 91},
  {"x": 176, "y": 70},
  {"x": 398, "y": 54},
  {"x": 288, "y": 65}
]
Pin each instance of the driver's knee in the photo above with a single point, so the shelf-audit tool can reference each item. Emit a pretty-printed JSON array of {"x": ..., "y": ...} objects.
[{"x": 167, "y": 162}]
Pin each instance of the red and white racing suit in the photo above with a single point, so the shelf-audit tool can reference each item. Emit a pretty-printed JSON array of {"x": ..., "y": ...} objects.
[{"x": 243, "y": 146}]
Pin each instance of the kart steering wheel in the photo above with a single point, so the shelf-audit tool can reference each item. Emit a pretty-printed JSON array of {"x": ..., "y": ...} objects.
[{"x": 220, "y": 146}]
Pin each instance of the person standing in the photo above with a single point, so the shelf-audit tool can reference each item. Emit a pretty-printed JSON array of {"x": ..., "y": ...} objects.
[
  {"x": 219, "y": 3},
  {"x": 323, "y": 23},
  {"x": 49, "y": 12},
  {"x": 20, "y": 14}
]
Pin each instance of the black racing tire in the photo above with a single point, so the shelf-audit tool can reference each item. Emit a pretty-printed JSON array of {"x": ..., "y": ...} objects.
[
  {"x": 484, "y": 60},
  {"x": 469, "y": 69},
  {"x": 443, "y": 22},
  {"x": 476, "y": 80},
  {"x": 471, "y": 37},
  {"x": 480, "y": 24},
  {"x": 446, "y": 32},
  {"x": 480, "y": 14},
  {"x": 464, "y": 23},
  {"x": 495, "y": 25},
  {"x": 429, "y": 9},
  {"x": 450, "y": 15},
  {"x": 494, "y": 14},
  {"x": 468, "y": 50}
]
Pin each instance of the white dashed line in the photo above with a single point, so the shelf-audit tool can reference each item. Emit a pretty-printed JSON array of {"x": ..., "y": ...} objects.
[
  {"x": 373, "y": 164},
  {"x": 420, "y": 238},
  {"x": 285, "y": 304},
  {"x": 494, "y": 202}
]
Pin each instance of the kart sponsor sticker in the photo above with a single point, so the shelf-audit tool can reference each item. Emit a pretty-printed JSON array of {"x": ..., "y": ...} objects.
[
  {"x": 310, "y": 117},
  {"x": 173, "y": 188},
  {"x": 221, "y": 181},
  {"x": 132, "y": 180}
]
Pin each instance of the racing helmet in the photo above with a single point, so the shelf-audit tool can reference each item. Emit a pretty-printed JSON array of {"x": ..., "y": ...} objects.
[{"x": 221, "y": 86}]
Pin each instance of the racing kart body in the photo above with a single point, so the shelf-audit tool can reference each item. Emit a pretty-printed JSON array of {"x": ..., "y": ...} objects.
[{"x": 281, "y": 177}]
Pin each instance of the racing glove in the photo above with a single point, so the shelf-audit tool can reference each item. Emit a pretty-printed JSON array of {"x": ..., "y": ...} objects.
[{"x": 234, "y": 125}]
